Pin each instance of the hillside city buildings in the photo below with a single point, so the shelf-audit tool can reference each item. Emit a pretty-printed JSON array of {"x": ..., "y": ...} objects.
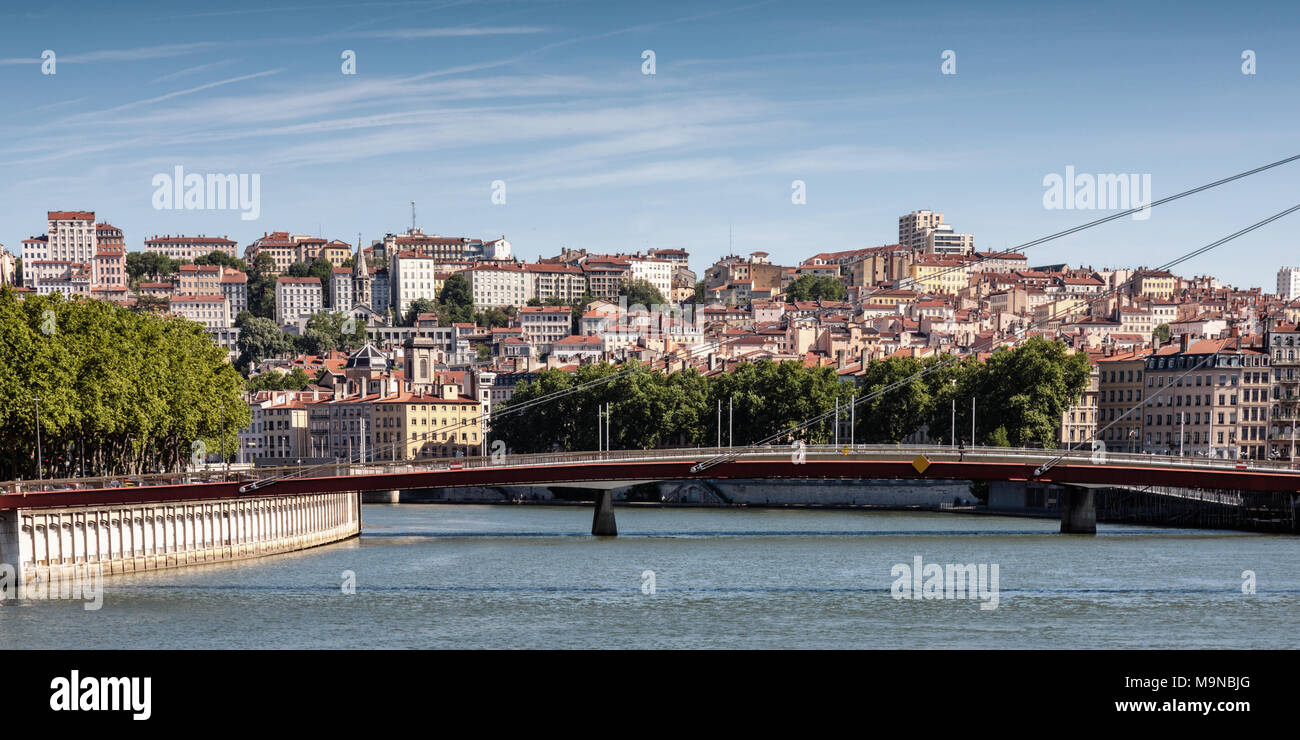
[{"x": 1180, "y": 365}]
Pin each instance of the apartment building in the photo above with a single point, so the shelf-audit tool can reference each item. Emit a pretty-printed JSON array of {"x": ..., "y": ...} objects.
[
  {"x": 1079, "y": 420},
  {"x": 606, "y": 275},
  {"x": 35, "y": 250},
  {"x": 278, "y": 245},
  {"x": 414, "y": 276},
  {"x": 198, "y": 280},
  {"x": 943, "y": 275},
  {"x": 108, "y": 269},
  {"x": 182, "y": 247},
  {"x": 1282, "y": 343},
  {"x": 410, "y": 426},
  {"x": 279, "y": 427},
  {"x": 341, "y": 297},
  {"x": 655, "y": 271},
  {"x": 499, "y": 285},
  {"x": 925, "y": 231},
  {"x": 1288, "y": 283},
  {"x": 212, "y": 311},
  {"x": 72, "y": 236},
  {"x": 234, "y": 286},
  {"x": 545, "y": 325},
  {"x": 1119, "y": 391},
  {"x": 1208, "y": 398},
  {"x": 553, "y": 280},
  {"x": 1154, "y": 284},
  {"x": 296, "y": 298}
]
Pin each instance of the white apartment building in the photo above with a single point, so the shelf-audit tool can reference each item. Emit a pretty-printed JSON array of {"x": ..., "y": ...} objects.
[
  {"x": 35, "y": 250},
  {"x": 72, "y": 236},
  {"x": 499, "y": 285},
  {"x": 654, "y": 270},
  {"x": 413, "y": 276},
  {"x": 1288, "y": 283},
  {"x": 212, "y": 311},
  {"x": 296, "y": 298},
  {"x": 341, "y": 297},
  {"x": 234, "y": 286}
]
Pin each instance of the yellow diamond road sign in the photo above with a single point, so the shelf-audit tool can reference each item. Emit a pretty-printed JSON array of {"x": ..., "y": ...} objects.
[
  {"x": 920, "y": 463},
  {"x": 844, "y": 450}
]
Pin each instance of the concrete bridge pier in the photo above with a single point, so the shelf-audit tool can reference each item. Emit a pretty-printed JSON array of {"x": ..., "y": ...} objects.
[
  {"x": 602, "y": 520},
  {"x": 1078, "y": 511}
]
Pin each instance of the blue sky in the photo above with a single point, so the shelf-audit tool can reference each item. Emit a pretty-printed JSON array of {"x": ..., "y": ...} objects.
[{"x": 550, "y": 98}]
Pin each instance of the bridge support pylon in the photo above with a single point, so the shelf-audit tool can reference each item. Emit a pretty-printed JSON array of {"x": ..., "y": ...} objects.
[
  {"x": 602, "y": 520},
  {"x": 1078, "y": 511}
]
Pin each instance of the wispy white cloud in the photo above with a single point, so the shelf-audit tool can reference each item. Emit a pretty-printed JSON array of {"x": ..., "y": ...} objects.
[
  {"x": 170, "y": 95},
  {"x": 192, "y": 70}
]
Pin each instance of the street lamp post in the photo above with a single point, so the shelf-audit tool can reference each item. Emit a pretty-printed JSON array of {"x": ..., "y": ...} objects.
[
  {"x": 224, "y": 463},
  {"x": 953, "y": 424},
  {"x": 972, "y": 421},
  {"x": 40, "y": 476}
]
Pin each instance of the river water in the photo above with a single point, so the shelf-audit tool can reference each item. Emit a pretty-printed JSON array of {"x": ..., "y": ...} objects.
[{"x": 458, "y": 576}]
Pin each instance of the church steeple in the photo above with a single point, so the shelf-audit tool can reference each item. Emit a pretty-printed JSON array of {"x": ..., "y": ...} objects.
[{"x": 361, "y": 278}]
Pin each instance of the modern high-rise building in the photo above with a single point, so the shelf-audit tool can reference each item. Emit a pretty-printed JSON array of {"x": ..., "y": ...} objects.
[
  {"x": 925, "y": 231},
  {"x": 1288, "y": 283}
]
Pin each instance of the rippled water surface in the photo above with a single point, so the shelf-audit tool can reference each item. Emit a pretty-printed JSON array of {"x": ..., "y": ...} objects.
[{"x": 444, "y": 576}]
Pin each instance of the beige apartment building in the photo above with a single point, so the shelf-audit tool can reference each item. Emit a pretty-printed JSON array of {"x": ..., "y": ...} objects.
[
  {"x": 1207, "y": 399},
  {"x": 1079, "y": 421},
  {"x": 411, "y": 426},
  {"x": 1119, "y": 390}
]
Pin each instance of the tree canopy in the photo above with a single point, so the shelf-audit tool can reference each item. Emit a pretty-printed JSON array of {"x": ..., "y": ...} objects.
[
  {"x": 816, "y": 288},
  {"x": 120, "y": 391},
  {"x": 642, "y": 292}
]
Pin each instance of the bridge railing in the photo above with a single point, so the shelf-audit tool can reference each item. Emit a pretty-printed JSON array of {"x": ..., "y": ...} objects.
[{"x": 934, "y": 453}]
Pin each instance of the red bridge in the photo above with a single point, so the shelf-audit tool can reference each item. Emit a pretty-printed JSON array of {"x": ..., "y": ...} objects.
[{"x": 606, "y": 470}]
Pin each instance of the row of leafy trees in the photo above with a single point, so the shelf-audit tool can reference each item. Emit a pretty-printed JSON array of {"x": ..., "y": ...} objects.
[
  {"x": 1019, "y": 395},
  {"x": 120, "y": 391}
]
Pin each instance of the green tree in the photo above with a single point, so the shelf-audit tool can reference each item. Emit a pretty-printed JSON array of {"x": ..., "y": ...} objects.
[
  {"x": 152, "y": 265},
  {"x": 456, "y": 291},
  {"x": 1023, "y": 391},
  {"x": 323, "y": 270},
  {"x": 896, "y": 400},
  {"x": 294, "y": 380},
  {"x": 218, "y": 257},
  {"x": 261, "y": 286},
  {"x": 120, "y": 391},
  {"x": 1161, "y": 334},
  {"x": 642, "y": 292},
  {"x": 815, "y": 288},
  {"x": 259, "y": 339},
  {"x": 153, "y": 303},
  {"x": 701, "y": 293},
  {"x": 417, "y": 307},
  {"x": 327, "y": 331}
]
